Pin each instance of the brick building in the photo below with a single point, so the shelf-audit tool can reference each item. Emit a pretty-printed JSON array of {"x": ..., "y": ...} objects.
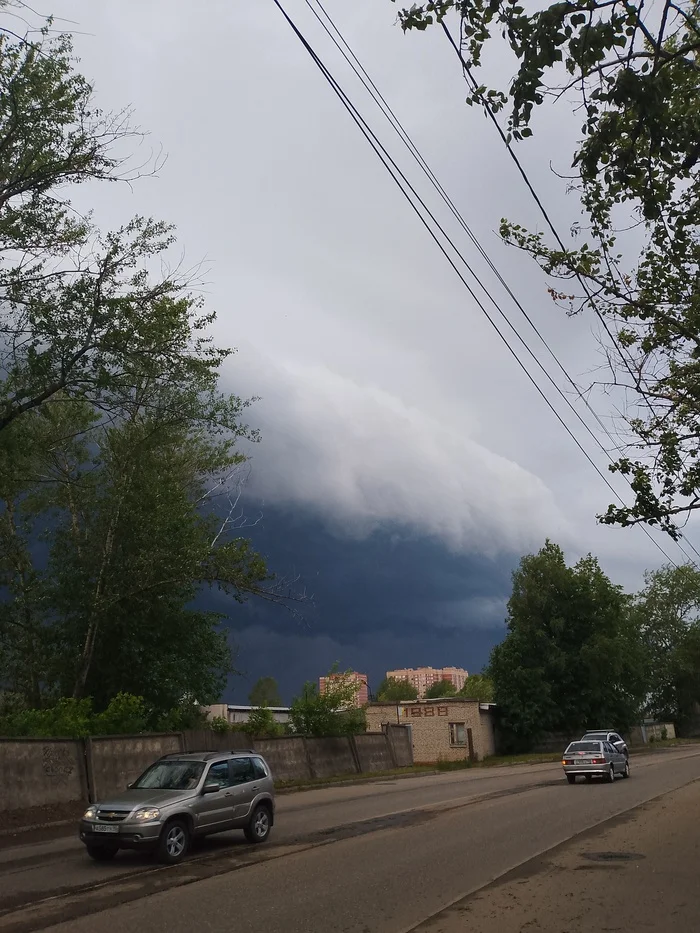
[
  {"x": 362, "y": 693},
  {"x": 424, "y": 677},
  {"x": 450, "y": 729}
]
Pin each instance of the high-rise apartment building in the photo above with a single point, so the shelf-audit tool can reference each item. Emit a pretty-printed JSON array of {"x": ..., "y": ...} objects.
[
  {"x": 362, "y": 693},
  {"x": 424, "y": 677}
]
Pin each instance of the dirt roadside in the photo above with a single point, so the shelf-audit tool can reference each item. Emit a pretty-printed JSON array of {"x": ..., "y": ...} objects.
[{"x": 638, "y": 872}]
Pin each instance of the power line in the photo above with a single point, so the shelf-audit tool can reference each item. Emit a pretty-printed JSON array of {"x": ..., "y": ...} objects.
[
  {"x": 361, "y": 73},
  {"x": 398, "y": 177}
]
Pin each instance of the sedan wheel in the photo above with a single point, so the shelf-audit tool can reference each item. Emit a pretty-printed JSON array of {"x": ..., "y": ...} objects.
[
  {"x": 626, "y": 772},
  {"x": 610, "y": 776}
]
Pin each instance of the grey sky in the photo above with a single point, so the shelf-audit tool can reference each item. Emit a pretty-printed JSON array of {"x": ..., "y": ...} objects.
[{"x": 386, "y": 396}]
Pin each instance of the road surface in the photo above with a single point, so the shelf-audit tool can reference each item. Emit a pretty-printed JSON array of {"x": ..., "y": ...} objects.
[{"x": 373, "y": 858}]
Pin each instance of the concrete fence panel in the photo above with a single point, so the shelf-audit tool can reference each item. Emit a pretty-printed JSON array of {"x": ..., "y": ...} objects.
[
  {"x": 286, "y": 757},
  {"x": 330, "y": 757},
  {"x": 374, "y": 752},
  {"x": 114, "y": 761},
  {"x": 400, "y": 739},
  {"x": 207, "y": 740},
  {"x": 46, "y": 775}
]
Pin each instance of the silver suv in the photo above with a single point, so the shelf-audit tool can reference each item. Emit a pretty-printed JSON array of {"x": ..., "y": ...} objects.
[{"x": 181, "y": 797}]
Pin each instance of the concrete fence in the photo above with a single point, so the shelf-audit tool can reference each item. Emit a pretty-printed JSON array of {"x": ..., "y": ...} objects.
[{"x": 44, "y": 780}]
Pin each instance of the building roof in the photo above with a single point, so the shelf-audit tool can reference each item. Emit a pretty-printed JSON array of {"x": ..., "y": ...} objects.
[{"x": 440, "y": 700}]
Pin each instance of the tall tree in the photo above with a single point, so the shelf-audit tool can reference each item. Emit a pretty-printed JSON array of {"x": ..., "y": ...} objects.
[
  {"x": 117, "y": 445},
  {"x": 265, "y": 692},
  {"x": 633, "y": 70},
  {"x": 391, "y": 690},
  {"x": 572, "y": 657},
  {"x": 668, "y": 614}
]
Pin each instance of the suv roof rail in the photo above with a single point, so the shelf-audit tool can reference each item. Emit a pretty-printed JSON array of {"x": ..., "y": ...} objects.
[{"x": 243, "y": 751}]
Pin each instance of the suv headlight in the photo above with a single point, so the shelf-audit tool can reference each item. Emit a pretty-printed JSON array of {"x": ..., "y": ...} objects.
[
  {"x": 90, "y": 813},
  {"x": 147, "y": 814}
]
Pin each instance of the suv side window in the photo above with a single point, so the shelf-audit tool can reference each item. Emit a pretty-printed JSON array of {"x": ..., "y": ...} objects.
[
  {"x": 241, "y": 770},
  {"x": 259, "y": 769},
  {"x": 219, "y": 774}
]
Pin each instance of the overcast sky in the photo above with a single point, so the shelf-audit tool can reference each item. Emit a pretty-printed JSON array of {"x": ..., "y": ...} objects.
[{"x": 406, "y": 461}]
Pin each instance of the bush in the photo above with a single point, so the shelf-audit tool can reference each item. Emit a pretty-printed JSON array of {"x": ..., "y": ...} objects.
[
  {"x": 664, "y": 733},
  {"x": 219, "y": 725},
  {"x": 261, "y": 724},
  {"x": 126, "y": 714}
]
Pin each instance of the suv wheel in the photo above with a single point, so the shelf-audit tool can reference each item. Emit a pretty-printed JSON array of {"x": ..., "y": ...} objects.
[
  {"x": 260, "y": 824},
  {"x": 101, "y": 853},
  {"x": 174, "y": 842}
]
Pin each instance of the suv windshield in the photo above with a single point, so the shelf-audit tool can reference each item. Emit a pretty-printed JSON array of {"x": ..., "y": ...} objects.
[
  {"x": 171, "y": 775},
  {"x": 583, "y": 747},
  {"x": 600, "y": 736}
]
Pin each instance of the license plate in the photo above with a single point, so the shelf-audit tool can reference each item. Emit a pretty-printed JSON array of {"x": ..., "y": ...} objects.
[{"x": 104, "y": 828}]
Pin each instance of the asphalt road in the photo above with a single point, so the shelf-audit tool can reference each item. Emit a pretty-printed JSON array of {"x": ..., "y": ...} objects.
[{"x": 377, "y": 858}]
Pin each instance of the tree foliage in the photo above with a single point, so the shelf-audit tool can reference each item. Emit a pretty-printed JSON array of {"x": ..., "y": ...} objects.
[
  {"x": 125, "y": 714},
  {"x": 633, "y": 71},
  {"x": 478, "y": 687},
  {"x": 262, "y": 724},
  {"x": 332, "y": 712},
  {"x": 572, "y": 658},
  {"x": 392, "y": 690},
  {"x": 443, "y": 688},
  {"x": 668, "y": 615},
  {"x": 265, "y": 692}
]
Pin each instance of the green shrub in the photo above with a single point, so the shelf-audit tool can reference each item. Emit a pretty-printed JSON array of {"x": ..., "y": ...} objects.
[
  {"x": 219, "y": 724},
  {"x": 261, "y": 724}
]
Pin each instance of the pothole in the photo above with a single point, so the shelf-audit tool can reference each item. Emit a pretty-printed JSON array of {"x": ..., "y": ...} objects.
[{"x": 612, "y": 856}]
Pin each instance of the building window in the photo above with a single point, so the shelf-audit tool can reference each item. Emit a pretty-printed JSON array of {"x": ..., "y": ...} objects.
[{"x": 458, "y": 733}]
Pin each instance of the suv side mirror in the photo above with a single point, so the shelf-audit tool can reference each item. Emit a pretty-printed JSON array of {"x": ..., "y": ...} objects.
[
  {"x": 129, "y": 786},
  {"x": 211, "y": 787}
]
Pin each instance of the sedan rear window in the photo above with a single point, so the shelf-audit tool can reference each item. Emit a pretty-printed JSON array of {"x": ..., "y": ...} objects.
[{"x": 583, "y": 747}]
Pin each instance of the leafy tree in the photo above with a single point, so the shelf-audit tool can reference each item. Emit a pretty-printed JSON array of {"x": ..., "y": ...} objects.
[
  {"x": 572, "y": 658},
  {"x": 635, "y": 72},
  {"x": 118, "y": 450},
  {"x": 478, "y": 687},
  {"x": 668, "y": 614},
  {"x": 265, "y": 692},
  {"x": 443, "y": 688},
  {"x": 332, "y": 712},
  {"x": 392, "y": 690}
]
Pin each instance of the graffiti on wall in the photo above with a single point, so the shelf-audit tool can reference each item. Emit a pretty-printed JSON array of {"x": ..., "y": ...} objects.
[{"x": 58, "y": 761}]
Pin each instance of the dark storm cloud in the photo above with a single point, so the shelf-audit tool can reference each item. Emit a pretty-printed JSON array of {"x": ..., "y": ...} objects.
[{"x": 393, "y": 599}]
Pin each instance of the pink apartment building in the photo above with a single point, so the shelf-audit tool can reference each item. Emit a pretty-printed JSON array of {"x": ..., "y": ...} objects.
[
  {"x": 362, "y": 694},
  {"x": 424, "y": 677}
]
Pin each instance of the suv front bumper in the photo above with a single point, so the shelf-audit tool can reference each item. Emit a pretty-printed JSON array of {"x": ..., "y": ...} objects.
[{"x": 129, "y": 835}]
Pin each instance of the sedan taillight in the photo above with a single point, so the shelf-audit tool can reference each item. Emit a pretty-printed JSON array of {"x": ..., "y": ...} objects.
[{"x": 598, "y": 761}]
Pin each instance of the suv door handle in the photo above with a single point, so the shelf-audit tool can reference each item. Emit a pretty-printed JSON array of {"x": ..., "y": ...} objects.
[{"x": 255, "y": 787}]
